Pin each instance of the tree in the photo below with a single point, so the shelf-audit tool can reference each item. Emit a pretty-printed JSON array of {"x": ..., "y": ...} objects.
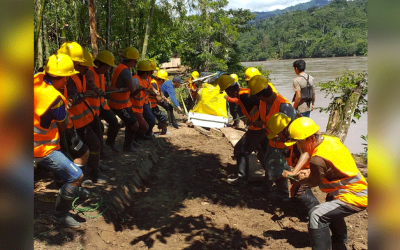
[
  {"x": 146, "y": 37},
  {"x": 92, "y": 21},
  {"x": 348, "y": 94}
]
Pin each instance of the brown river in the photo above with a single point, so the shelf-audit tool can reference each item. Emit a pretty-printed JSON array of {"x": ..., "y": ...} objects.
[{"x": 323, "y": 70}]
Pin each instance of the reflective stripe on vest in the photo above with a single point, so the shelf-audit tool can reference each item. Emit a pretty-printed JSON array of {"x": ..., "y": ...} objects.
[
  {"x": 254, "y": 114},
  {"x": 80, "y": 114},
  {"x": 101, "y": 84},
  {"x": 119, "y": 100},
  {"x": 46, "y": 140},
  {"x": 266, "y": 116},
  {"x": 138, "y": 100},
  {"x": 353, "y": 188}
]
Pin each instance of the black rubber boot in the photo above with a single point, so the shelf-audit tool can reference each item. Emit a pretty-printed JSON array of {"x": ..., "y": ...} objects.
[
  {"x": 243, "y": 172},
  {"x": 173, "y": 121},
  {"x": 308, "y": 199},
  {"x": 339, "y": 234},
  {"x": 129, "y": 136},
  {"x": 320, "y": 238},
  {"x": 164, "y": 126},
  {"x": 266, "y": 187},
  {"x": 282, "y": 193},
  {"x": 95, "y": 173},
  {"x": 64, "y": 201}
]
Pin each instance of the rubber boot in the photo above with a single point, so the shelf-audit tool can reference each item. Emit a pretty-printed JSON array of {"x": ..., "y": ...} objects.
[
  {"x": 243, "y": 172},
  {"x": 308, "y": 199},
  {"x": 339, "y": 234},
  {"x": 129, "y": 136},
  {"x": 64, "y": 201},
  {"x": 320, "y": 238},
  {"x": 266, "y": 187},
  {"x": 164, "y": 128},
  {"x": 282, "y": 193},
  {"x": 95, "y": 173},
  {"x": 173, "y": 121}
]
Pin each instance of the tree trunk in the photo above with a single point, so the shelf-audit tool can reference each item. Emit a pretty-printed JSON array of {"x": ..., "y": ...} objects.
[
  {"x": 108, "y": 35},
  {"x": 92, "y": 22},
  {"x": 46, "y": 42},
  {"x": 39, "y": 48},
  {"x": 342, "y": 114},
  {"x": 146, "y": 37},
  {"x": 39, "y": 22},
  {"x": 108, "y": 32},
  {"x": 130, "y": 23}
]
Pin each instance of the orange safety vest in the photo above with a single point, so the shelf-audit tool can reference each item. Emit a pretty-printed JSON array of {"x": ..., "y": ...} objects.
[
  {"x": 192, "y": 85},
  {"x": 101, "y": 84},
  {"x": 45, "y": 140},
  {"x": 147, "y": 86},
  {"x": 139, "y": 99},
  {"x": 352, "y": 189},
  {"x": 254, "y": 113},
  {"x": 95, "y": 101},
  {"x": 152, "y": 98},
  {"x": 80, "y": 114},
  {"x": 266, "y": 116},
  {"x": 119, "y": 100}
]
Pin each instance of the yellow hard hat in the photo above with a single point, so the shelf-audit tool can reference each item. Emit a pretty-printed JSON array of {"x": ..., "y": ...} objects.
[
  {"x": 302, "y": 127},
  {"x": 277, "y": 123},
  {"x": 234, "y": 76},
  {"x": 257, "y": 83},
  {"x": 250, "y": 72},
  {"x": 60, "y": 65},
  {"x": 106, "y": 57},
  {"x": 144, "y": 66},
  {"x": 195, "y": 75},
  {"x": 153, "y": 64},
  {"x": 162, "y": 74},
  {"x": 73, "y": 50},
  {"x": 88, "y": 59},
  {"x": 225, "y": 81},
  {"x": 131, "y": 53}
]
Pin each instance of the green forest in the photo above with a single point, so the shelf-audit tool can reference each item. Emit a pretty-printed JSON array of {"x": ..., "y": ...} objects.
[
  {"x": 201, "y": 32},
  {"x": 337, "y": 29}
]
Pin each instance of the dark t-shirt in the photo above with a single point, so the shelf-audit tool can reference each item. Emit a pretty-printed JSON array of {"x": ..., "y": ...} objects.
[{"x": 249, "y": 101}]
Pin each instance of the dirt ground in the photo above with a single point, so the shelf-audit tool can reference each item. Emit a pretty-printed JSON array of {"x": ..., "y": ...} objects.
[{"x": 181, "y": 202}]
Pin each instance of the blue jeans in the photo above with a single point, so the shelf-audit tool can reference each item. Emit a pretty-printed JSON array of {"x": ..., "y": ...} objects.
[
  {"x": 275, "y": 162},
  {"x": 306, "y": 114},
  {"x": 61, "y": 166}
]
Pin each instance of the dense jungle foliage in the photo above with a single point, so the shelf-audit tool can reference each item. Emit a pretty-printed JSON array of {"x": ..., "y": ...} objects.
[{"x": 337, "y": 29}]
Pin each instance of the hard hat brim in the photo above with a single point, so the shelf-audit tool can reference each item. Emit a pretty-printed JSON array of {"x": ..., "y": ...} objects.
[{"x": 290, "y": 143}]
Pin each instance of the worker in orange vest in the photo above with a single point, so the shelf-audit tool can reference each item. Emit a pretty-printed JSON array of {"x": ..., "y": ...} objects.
[
  {"x": 88, "y": 126},
  {"x": 147, "y": 114},
  {"x": 193, "y": 90},
  {"x": 138, "y": 101},
  {"x": 120, "y": 102},
  {"x": 278, "y": 125},
  {"x": 254, "y": 135},
  {"x": 333, "y": 169},
  {"x": 156, "y": 100},
  {"x": 104, "y": 61},
  {"x": 274, "y": 161},
  {"x": 49, "y": 120}
]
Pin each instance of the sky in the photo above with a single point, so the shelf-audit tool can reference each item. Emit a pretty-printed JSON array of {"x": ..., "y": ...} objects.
[{"x": 263, "y": 5}]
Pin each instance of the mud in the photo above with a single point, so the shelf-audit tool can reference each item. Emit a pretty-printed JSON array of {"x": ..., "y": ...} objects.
[{"x": 173, "y": 194}]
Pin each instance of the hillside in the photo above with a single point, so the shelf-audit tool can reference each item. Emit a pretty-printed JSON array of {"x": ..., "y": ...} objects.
[
  {"x": 302, "y": 6},
  {"x": 337, "y": 29}
]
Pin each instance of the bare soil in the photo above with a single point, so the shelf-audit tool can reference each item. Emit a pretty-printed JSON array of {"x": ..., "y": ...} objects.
[{"x": 181, "y": 201}]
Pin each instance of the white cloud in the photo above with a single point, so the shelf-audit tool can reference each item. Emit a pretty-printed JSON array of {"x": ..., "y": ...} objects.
[{"x": 263, "y": 5}]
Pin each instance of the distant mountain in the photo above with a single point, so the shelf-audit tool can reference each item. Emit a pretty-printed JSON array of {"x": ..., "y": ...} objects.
[{"x": 301, "y": 6}]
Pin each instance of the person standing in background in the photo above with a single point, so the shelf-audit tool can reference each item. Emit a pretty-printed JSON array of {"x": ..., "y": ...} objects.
[{"x": 303, "y": 86}]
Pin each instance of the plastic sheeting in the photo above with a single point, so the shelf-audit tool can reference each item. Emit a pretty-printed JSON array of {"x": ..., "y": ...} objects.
[{"x": 210, "y": 101}]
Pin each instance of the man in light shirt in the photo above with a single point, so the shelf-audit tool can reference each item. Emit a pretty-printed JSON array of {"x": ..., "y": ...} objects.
[{"x": 303, "y": 86}]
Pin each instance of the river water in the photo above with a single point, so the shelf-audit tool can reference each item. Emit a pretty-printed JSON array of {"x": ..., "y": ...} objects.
[{"x": 323, "y": 70}]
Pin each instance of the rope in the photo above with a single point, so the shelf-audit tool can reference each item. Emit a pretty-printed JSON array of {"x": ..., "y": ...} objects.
[{"x": 91, "y": 208}]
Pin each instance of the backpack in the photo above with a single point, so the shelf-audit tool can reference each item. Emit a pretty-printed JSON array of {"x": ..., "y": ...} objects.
[{"x": 306, "y": 93}]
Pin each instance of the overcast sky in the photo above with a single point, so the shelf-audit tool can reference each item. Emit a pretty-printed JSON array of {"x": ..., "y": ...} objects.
[{"x": 263, "y": 5}]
